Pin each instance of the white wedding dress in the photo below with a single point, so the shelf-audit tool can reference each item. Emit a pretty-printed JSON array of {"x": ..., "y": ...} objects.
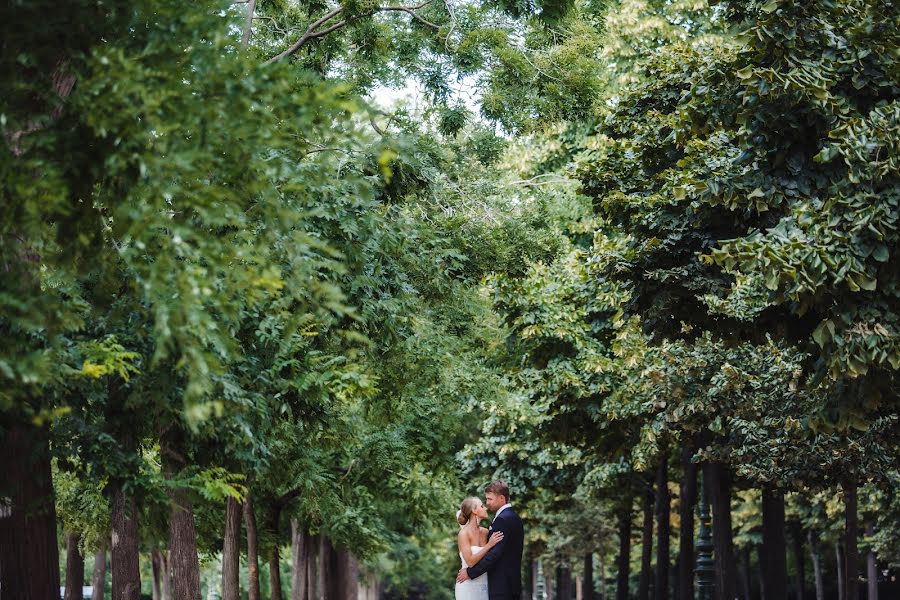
[{"x": 472, "y": 589}]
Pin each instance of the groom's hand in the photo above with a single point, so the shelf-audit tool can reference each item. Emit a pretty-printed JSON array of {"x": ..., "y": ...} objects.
[{"x": 462, "y": 576}]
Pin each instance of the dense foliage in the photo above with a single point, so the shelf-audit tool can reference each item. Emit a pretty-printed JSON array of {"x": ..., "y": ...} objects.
[{"x": 252, "y": 314}]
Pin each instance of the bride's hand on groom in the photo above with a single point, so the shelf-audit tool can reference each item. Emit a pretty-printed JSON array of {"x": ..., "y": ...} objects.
[{"x": 495, "y": 539}]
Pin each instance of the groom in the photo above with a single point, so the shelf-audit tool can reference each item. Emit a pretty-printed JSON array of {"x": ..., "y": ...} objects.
[{"x": 503, "y": 562}]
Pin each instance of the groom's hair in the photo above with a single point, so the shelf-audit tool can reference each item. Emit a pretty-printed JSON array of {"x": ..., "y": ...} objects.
[{"x": 498, "y": 487}]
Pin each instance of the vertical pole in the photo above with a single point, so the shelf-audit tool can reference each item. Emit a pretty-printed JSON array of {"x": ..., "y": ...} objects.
[{"x": 705, "y": 571}]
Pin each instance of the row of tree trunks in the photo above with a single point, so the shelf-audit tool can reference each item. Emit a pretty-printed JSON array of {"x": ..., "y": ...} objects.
[{"x": 28, "y": 545}]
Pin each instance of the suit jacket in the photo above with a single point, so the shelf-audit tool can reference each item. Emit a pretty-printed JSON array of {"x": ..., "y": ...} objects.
[{"x": 503, "y": 562}]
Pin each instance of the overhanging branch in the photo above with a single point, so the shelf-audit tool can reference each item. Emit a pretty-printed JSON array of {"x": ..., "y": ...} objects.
[{"x": 314, "y": 32}]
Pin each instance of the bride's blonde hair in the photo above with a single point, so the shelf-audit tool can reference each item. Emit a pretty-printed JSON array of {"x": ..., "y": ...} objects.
[{"x": 466, "y": 510}]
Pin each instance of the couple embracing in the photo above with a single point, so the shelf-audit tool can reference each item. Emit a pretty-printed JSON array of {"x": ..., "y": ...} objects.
[{"x": 491, "y": 558}]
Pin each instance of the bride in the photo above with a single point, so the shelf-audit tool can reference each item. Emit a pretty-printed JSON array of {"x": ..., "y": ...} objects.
[{"x": 473, "y": 545}]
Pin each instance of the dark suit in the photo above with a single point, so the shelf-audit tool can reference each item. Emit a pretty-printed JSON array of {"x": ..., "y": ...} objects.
[{"x": 503, "y": 562}]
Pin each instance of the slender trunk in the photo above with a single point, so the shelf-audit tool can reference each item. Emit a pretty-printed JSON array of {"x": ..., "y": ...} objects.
[
  {"x": 252, "y": 549},
  {"x": 157, "y": 569},
  {"x": 587, "y": 588},
  {"x": 74, "y": 567},
  {"x": 98, "y": 578},
  {"x": 248, "y": 24},
  {"x": 231, "y": 552},
  {"x": 663, "y": 530},
  {"x": 762, "y": 580},
  {"x": 799, "y": 559},
  {"x": 126, "y": 574},
  {"x": 166, "y": 579},
  {"x": 28, "y": 547},
  {"x": 602, "y": 578},
  {"x": 723, "y": 541},
  {"x": 312, "y": 566},
  {"x": 299, "y": 554},
  {"x": 817, "y": 565},
  {"x": 326, "y": 568},
  {"x": 746, "y": 594},
  {"x": 687, "y": 507},
  {"x": 183, "y": 559},
  {"x": 839, "y": 557},
  {"x": 275, "y": 592},
  {"x": 851, "y": 537},
  {"x": 774, "y": 549},
  {"x": 624, "y": 560},
  {"x": 275, "y": 556},
  {"x": 871, "y": 567},
  {"x": 646, "y": 544},
  {"x": 565, "y": 583}
]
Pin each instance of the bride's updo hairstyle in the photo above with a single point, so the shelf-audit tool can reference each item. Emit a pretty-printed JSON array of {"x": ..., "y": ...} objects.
[{"x": 466, "y": 510}]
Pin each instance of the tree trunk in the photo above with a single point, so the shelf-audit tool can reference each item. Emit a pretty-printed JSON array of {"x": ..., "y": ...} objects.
[
  {"x": 762, "y": 581},
  {"x": 28, "y": 547},
  {"x": 344, "y": 576},
  {"x": 156, "y": 568},
  {"x": 624, "y": 560},
  {"x": 299, "y": 556},
  {"x": 817, "y": 565},
  {"x": 687, "y": 507},
  {"x": 326, "y": 569},
  {"x": 839, "y": 557},
  {"x": 799, "y": 559},
  {"x": 248, "y": 24},
  {"x": 231, "y": 552},
  {"x": 871, "y": 567},
  {"x": 166, "y": 572},
  {"x": 774, "y": 548},
  {"x": 74, "y": 568},
  {"x": 313, "y": 591},
  {"x": 745, "y": 574},
  {"x": 252, "y": 549},
  {"x": 851, "y": 537},
  {"x": 663, "y": 530},
  {"x": 98, "y": 578},
  {"x": 646, "y": 544},
  {"x": 275, "y": 592},
  {"x": 126, "y": 574},
  {"x": 183, "y": 559},
  {"x": 723, "y": 541},
  {"x": 587, "y": 588}
]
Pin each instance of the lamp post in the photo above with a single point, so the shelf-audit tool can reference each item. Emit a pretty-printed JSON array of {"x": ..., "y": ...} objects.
[{"x": 705, "y": 569}]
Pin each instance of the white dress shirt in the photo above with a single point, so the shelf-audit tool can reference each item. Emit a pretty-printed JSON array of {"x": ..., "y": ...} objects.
[{"x": 502, "y": 508}]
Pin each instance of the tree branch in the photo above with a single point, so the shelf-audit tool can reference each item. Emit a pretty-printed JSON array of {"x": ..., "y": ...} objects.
[{"x": 312, "y": 32}]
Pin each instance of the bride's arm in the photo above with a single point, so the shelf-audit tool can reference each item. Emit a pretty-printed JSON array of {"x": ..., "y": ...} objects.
[{"x": 465, "y": 548}]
